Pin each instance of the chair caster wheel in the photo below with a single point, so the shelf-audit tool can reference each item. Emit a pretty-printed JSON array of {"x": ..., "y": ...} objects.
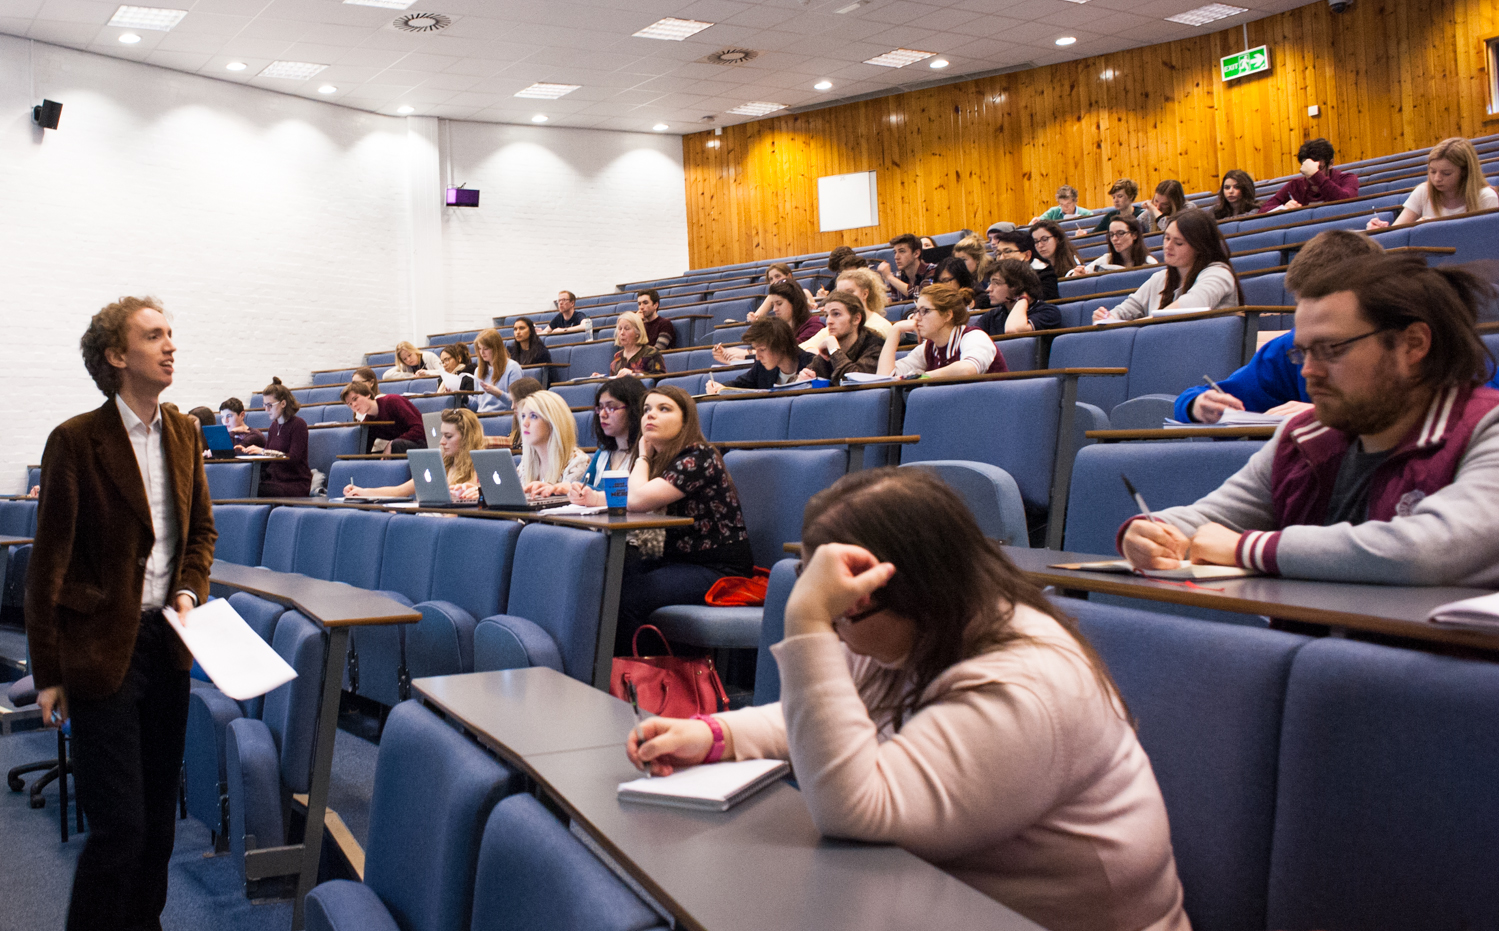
[{"x": 38, "y": 801}]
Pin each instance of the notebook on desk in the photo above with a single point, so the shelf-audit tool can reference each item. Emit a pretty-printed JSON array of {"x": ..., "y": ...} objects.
[
  {"x": 1186, "y": 570},
  {"x": 714, "y": 787}
]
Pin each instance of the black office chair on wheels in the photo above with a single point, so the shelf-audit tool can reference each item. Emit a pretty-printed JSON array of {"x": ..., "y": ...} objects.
[{"x": 56, "y": 769}]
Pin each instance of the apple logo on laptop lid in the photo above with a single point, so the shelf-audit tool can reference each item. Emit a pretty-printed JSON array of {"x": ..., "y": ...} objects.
[
  {"x": 496, "y": 477},
  {"x": 427, "y": 475}
]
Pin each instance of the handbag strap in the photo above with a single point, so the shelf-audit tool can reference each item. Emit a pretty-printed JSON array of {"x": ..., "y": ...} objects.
[{"x": 635, "y": 640}]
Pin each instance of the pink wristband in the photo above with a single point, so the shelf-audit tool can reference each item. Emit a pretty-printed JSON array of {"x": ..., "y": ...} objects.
[{"x": 715, "y": 752}]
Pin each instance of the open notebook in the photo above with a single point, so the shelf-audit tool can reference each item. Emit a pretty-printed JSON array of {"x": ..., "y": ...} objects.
[
  {"x": 1233, "y": 419},
  {"x": 715, "y": 787},
  {"x": 1481, "y": 613},
  {"x": 1186, "y": 570}
]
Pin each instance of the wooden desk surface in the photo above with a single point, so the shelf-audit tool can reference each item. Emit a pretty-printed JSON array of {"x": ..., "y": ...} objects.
[
  {"x": 333, "y": 604},
  {"x": 1398, "y": 611},
  {"x": 14, "y": 541},
  {"x": 760, "y": 865}
]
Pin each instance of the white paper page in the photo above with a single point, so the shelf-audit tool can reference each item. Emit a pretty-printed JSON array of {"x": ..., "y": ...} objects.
[
  {"x": 240, "y": 663},
  {"x": 573, "y": 509},
  {"x": 714, "y": 782},
  {"x": 1482, "y": 611}
]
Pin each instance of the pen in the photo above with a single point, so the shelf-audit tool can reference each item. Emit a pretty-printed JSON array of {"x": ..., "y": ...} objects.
[
  {"x": 635, "y": 704},
  {"x": 1139, "y": 500},
  {"x": 1216, "y": 387}
]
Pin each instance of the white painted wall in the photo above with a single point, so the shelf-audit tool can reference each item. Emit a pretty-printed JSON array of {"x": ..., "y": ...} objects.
[
  {"x": 279, "y": 232},
  {"x": 576, "y": 209}
]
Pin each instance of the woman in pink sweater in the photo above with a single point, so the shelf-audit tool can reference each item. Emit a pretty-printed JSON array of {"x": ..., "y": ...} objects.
[{"x": 932, "y": 697}]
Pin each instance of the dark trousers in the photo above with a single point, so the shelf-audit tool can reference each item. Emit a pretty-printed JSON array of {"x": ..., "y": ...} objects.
[
  {"x": 651, "y": 584},
  {"x": 400, "y": 446},
  {"x": 127, "y": 761}
]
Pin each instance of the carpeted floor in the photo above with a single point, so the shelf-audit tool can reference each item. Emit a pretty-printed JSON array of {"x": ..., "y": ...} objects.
[{"x": 204, "y": 893}]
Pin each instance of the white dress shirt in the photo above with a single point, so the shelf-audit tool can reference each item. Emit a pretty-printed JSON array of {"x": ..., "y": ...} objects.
[{"x": 145, "y": 439}]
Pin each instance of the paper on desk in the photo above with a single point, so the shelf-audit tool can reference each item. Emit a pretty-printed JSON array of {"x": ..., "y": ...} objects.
[
  {"x": 573, "y": 509},
  {"x": 240, "y": 663},
  {"x": 1480, "y": 612}
]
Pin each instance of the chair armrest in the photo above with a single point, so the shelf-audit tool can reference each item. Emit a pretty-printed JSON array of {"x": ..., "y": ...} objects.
[
  {"x": 344, "y": 905},
  {"x": 505, "y": 641},
  {"x": 254, "y": 776},
  {"x": 442, "y": 642},
  {"x": 209, "y": 712}
]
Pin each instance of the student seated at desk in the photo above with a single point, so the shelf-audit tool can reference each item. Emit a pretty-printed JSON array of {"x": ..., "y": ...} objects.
[
  {"x": 1393, "y": 475},
  {"x": 635, "y": 356},
  {"x": 679, "y": 472},
  {"x": 949, "y": 345},
  {"x": 1198, "y": 274},
  {"x": 847, "y": 345},
  {"x": 788, "y": 301},
  {"x": 520, "y": 389},
  {"x": 414, "y": 363},
  {"x": 527, "y": 348},
  {"x": 1015, "y": 296},
  {"x": 1454, "y": 185},
  {"x": 405, "y": 429},
  {"x": 617, "y": 406},
  {"x": 778, "y": 359},
  {"x": 203, "y": 416},
  {"x": 961, "y": 717},
  {"x": 456, "y": 361},
  {"x": 1271, "y": 383},
  {"x": 1126, "y": 249},
  {"x": 461, "y": 435},
  {"x": 496, "y": 373},
  {"x": 232, "y": 413},
  {"x": 289, "y": 477},
  {"x": 550, "y": 460}
]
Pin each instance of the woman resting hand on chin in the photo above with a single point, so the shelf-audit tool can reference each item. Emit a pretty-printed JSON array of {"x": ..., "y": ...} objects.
[{"x": 932, "y": 697}]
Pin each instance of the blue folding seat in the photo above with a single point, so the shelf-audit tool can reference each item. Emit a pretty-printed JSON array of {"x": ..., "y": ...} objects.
[
  {"x": 324, "y": 394},
  {"x": 33, "y": 477},
  {"x": 1020, "y": 354},
  {"x": 241, "y": 530},
  {"x": 17, "y": 519},
  {"x": 588, "y": 358},
  {"x": 419, "y": 386},
  {"x": 534, "y": 875},
  {"x": 228, "y": 480},
  {"x": 577, "y": 395},
  {"x": 583, "y": 423},
  {"x": 498, "y": 425},
  {"x": 1265, "y": 290},
  {"x": 379, "y": 360},
  {"x": 1010, "y": 424},
  {"x": 1104, "y": 347},
  {"x": 1207, "y": 699},
  {"x": 326, "y": 444},
  {"x": 372, "y": 473},
  {"x": 434, "y": 790},
  {"x": 990, "y": 494},
  {"x": 728, "y": 335},
  {"x": 1473, "y": 237},
  {"x": 432, "y": 405},
  {"x": 830, "y": 416},
  {"x": 1072, "y": 314},
  {"x": 1257, "y": 261},
  {"x": 773, "y": 630},
  {"x": 692, "y": 384},
  {"x": 1386, "y": 814},
  {"x": 567, "y": 615},
  {"x": 751, "y": 419},
  {"x": 733, "y": 309},
  {"x": 1168, "y": 358},
  {"x": 340, "y": 377}
]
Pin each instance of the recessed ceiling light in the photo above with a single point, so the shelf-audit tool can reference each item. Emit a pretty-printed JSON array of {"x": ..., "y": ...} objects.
[
  {"x": 898, "y": 58},
  {"x": 405, "y": 109},
  {"x": 823, "y": 86},
  {"x": 545, "y": 91},
  {"x": 758, "y": 108},
  {"x": 660, "y": 127},
  {"x": 146, "y": 17},
  {"x": 939, "y": 64},
  {"x": 539, "y": 118},
  {"x": 383, "y": 4},
  {"x": 296, "y": 70},
  {"x": 1067, "y": 40},
  {"x": 130, "y": 38},
  {"x": 236, "y": 66},
  {"x": 672, "y": 28},
  {"x": 327, "y": 89},
  {"x": 1206, "y": 14}
]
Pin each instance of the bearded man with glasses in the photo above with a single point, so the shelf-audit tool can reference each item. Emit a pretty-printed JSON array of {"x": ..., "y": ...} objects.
[{"x": 1393, "y": 474}]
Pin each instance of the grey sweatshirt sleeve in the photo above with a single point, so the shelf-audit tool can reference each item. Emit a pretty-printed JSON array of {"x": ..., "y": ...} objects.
[{"x": 1241, "y": 503}]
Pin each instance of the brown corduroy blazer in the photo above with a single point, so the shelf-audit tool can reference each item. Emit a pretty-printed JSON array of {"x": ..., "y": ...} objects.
[{"x": 93, "y": 535}]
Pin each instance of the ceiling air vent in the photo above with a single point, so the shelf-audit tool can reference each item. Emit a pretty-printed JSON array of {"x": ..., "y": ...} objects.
[
  {"x": 730, "y": 56},
  {"x": 422, "y": 22}
]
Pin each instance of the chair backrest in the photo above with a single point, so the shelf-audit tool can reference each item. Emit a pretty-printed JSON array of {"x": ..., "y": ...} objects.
[
  {"x": 1386, "y": 815},
  {"x": 774, "y": 486},
  {"x": 370, "y": 473},
  {"x": 1168, "y": 358},
  {"x": 568, "y": 612},
  {"x": 991, "y": 495},
  {"x": 1207, "y": 699},
  {"x": 856, "y": 413},
  {"x": 1166, "y": 474},
  {"x": 290, "y": 710},
  {"x": 229, "y": 479},
  {"x": 534, "y": 875},
  {"x": 361, "y": 548},
  {"x": 18, "y": 517},
  {"x": 325, "y": 445},
  {"x": 434, "y": 790},
  {"x": 1103, "y": 348},
  {"x": 773, "y": 630},
  {"x": 241, "y": 530},
  {"x": 750, "y": 419}
]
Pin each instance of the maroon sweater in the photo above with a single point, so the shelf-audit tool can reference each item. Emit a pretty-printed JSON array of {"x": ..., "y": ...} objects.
[{"x": 407, "y": 419}]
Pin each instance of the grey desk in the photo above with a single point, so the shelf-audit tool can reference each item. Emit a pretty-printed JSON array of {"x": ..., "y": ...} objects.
[
  {"x": 761, "y": 865},
  {"x": 338, "y": 608},
  {"x": 1390, "y": 610}
]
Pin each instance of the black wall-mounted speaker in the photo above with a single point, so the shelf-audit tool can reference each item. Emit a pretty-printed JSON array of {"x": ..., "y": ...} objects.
[{"x": 47, "y": 115}]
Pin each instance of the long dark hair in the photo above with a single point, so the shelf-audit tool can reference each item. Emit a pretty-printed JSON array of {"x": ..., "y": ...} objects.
[
  {"x": 1137, "y": 250},
  {"x": 1064, "y": 259},
  {"x": 954, "y": 584},
  {"x": 1202, "y": 234},
  {"x": 692, "y": 431},
  {"x": 629, "y": 392},
  {"x": 1247, "y": 201},
  {"x": 793, "y": 292},
  {"x": 958, "y": 269}
]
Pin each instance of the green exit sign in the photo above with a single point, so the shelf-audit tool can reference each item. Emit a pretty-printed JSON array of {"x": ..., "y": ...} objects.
[{"x": 1253, "y": 61}]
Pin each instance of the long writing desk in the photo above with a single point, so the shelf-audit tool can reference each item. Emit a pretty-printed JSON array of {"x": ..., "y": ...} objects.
[
  {"x": 760, "y": 865},
  {"x": 337, "y": 607},
  {"x": 14, "y": 541},
  {"x": 1389, "y": 610}
]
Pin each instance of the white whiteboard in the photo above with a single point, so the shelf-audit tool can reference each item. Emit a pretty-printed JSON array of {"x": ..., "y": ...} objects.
[{"x": 846, "y": 202}]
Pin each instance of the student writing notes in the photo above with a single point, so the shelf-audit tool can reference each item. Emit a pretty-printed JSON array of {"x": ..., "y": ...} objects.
[
  {"x": 1198, "y": 275},
  {"x": 932, "y": 697}
]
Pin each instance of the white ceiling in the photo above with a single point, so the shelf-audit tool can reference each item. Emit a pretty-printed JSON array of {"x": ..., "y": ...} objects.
[{"x": 472, "y": 69}]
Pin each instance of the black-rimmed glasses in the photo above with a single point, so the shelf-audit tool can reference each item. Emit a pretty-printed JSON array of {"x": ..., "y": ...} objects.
[{"x": 1326, "y": 353}]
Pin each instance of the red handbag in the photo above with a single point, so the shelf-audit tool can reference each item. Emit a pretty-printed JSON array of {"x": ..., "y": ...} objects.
[
  {"x": 668, "y": 686},
  {"x": 734, "y": 591}
]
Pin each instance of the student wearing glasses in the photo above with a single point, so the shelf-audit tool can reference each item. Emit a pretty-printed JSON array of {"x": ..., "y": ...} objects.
[
  {"x": 1126, "y": 249},
  {"x": 1392, "y": 476},
  {"x": 1053, "y": 248},
  {"x": 949, "y": 344},
  {"x": 1198, "y": 275},
  {"x": 617, "y": 406},
  {"x": 1018, "y": 244},
  {"x": 933, "y": 698}
]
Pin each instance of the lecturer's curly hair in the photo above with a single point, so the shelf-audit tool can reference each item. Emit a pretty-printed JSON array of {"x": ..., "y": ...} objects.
[{"x": 107, "y": 330}]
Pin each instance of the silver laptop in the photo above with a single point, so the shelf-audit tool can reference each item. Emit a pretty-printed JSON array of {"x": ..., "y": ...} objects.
[
  {"x": 500, "y": 486},
  {"x": 432, "y": 423},
  {"x": 432, "y": 480}
]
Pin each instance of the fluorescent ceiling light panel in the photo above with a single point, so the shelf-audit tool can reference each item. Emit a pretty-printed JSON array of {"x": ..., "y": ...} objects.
[
  {"x": 296, "y": 70},
  {"x": 1206, "y": 14},
  {"x": 544, "y": 91},
  {"x": 383, "y": 4},
  {"x": 758, "y": 108},
  {"x": 899, "y": 58},
  {"x": 146, "y": 17},
  {"x": 672, "y": 28}
]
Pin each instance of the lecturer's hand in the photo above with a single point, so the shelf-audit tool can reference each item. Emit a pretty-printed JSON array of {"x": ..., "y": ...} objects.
[
  {"x": 183, "y": 604},
  {"x": 54, "y": 701}
]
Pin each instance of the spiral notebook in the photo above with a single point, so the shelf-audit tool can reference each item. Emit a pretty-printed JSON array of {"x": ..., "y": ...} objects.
[{"x": 715, "y": 787}]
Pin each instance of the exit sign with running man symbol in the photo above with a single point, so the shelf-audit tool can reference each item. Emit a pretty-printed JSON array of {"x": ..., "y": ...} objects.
[{"x": 1243, "y": 64}]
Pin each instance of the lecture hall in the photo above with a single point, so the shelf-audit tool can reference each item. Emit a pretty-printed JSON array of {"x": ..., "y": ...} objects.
[{"x": 750, "y": 465}]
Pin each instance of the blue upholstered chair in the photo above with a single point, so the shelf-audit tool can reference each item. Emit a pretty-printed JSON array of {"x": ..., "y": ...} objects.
[
  {"x": 773, "y": 631},
  {"x": 368, "y": 473},
  {"x": 539, "y": 611},
  {"x": 241, "y": 530},
  {"x": 434, "y": 789},
  {"x": 534, "y": 875},
  {"x": 990, "y": 493},
  {"x": 229, "y": 479}
]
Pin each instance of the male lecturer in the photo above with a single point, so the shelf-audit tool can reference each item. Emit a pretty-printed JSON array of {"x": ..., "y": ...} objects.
[{"x": 124, "y": 528}]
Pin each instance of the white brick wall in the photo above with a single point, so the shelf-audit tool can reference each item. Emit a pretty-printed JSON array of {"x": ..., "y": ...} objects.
[{"x": 276, "y": 230}]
